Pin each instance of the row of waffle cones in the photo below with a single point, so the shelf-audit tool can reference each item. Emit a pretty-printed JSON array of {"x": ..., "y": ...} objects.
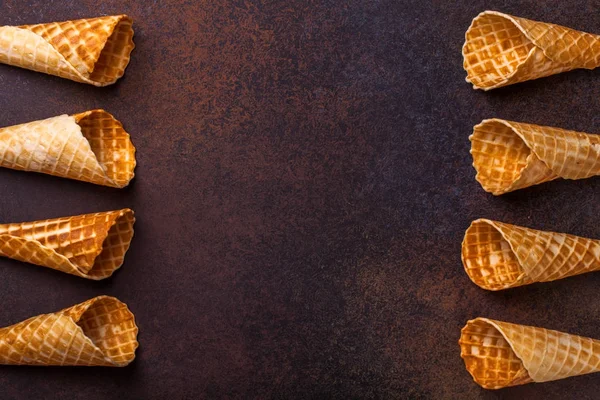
[
  {"x": 93, "y": 147},
  {"x": 500, "y": 50},
  {"x": 98, "y": 332},
  {"x": 499, "y": 256}
]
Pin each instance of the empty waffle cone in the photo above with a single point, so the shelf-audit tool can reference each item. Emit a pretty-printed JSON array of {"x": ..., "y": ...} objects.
[
  {"x": 91, "y": 146},
  {"x": 500, "y": 256},
  {"x": 512, "y": 155},
  {"x": 499, "y": 354},
  {"x": 98, "y": 332},
  {"x": 91, "y": 246},
  {"x": 501, "y": 49},
  {"x": 92, "y": 50}
]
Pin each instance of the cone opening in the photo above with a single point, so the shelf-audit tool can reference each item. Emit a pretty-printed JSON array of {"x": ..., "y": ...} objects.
[
  {"x": 110, "y": 143},
  {"x": 489, "y": 357},
  {"x": 110, "y": 325},
  {"x": 494, "y": 49},
  {"x": 115, "y": 55},
  {"x": 114, "y": 247},
  {"x": 500, "y": 156},
  {"x": 488, "y": 258}
]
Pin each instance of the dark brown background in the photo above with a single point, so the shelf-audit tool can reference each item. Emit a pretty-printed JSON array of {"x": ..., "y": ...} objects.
[{"x": 303, "y": 187}]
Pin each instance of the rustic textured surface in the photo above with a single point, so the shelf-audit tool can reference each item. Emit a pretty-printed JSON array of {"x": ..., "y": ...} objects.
[{"x": 304, "y": 184}]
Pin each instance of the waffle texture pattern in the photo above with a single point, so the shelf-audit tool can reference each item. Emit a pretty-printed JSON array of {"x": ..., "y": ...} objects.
[
  {"x": 98, "y": 332},
  {"x": 502, "y": 49},
  {"x": 499, "y": 256},
  {"x": 511, "y": 155},
  {"x": 93, "y": 50},
  {"x": 91, "y": 146},
  {"x": 500, "y": 354},
  {"x": 91, "y": 246}
]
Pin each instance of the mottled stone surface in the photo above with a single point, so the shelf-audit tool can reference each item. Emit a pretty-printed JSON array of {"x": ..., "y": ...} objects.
[{"x": 303, "y": 187}]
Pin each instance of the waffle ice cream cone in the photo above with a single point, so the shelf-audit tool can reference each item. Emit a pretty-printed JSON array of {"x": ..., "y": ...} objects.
[
  {"x": 501, "y": 49},
  {"x": 91, "y": 246},
  {"x": 98, "y": 332},
  {"x": 92, "y": 50},
  {"x": 499, "y": 256},
  {"x": 512, "y": 155},
  {"x": 91, "y": 146},
  {"x": 499, "y": 354}
]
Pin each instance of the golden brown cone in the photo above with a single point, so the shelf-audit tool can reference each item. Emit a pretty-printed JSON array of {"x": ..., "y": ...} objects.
[
  {"x": 98, "y": 332},
  {"x": 91, "y": 146},
  {"x": 91, "y": 246},
  {"x": 501, "y": 49},
  {"x": 511, "y": 155},
  {"x": 91, "y": 50},
  {"x": 499, "y": 256},
  {"x": 499, "y": 354}
]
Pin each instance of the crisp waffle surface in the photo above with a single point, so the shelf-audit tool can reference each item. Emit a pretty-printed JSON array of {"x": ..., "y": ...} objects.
[
  {"x": 511, "y": 155},
  {"x": 92, "y": 50},
  {"x": 98, "y": 332},
  {"x": 499, "y": 354},
  {"x": 91, "y": 147},
  {"x": 501, "y": 49},
  {"x": 111, "y": 145},
  {"x": 489, "y": 358},
  {"x": 91, "y": 246},
  {"x": 500, "y": 256}
]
